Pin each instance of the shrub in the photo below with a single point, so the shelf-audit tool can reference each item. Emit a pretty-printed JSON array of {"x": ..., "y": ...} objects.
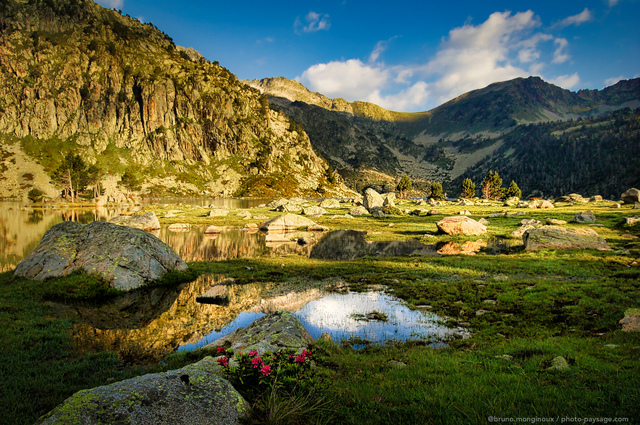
[
  {"x": 468, "y": 189},
  {"x": 436, "y": 191},
  {"x": 35, "y": 195},
  {"x": 404, "y": 186}
]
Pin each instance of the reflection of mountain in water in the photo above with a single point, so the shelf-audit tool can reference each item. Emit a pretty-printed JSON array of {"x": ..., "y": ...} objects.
[
  {"x": 21, "y": 229},
  {"x": 350, "y": 244},
  {"x": 231, "y": 243},
  {"x": 148, "y": 325}
]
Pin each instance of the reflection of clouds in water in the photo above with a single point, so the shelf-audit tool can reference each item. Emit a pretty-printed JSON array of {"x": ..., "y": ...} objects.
[{"x": 334, "y": 314}]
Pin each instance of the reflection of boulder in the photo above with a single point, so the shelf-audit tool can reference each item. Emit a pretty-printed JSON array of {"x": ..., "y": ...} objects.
[
  {"x": 127, "y": 258},
  {"x": 350, "y": 244},
  {"x": 289, "y": 222},
  {"x": 466, "y": 248}
]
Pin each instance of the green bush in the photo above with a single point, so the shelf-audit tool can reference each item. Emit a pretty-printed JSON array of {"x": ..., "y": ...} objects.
[{"x": 35, "y": 195}]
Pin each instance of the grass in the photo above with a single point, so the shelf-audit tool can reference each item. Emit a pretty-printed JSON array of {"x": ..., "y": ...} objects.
[{"x": 542, "y": 304}]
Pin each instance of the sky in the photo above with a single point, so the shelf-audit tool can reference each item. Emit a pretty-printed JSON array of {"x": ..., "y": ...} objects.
[{"x": 406, "y": 56}]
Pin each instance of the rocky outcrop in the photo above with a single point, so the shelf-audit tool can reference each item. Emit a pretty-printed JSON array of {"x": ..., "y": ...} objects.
[
  {"x": 556, "y": 237},
  {"x": 146, "y": 221},
  {"x": 274, "y": 332},
  {"x": 631, "y": 196},
  {"x": 461, "y": 225},
  {"x": 118, "y": 91},
  {"x": 126, "y": 258},
  {"x": 187, "y": 396}
]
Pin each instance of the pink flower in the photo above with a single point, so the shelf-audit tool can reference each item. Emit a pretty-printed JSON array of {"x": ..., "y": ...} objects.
[
  {"x": 300, "y": 359},
  {"x": 257, "y": 362},
  {"x": 223, "y": 361},
  {"x": 253, "y": 353},
  {"x": 221, "y": 350},
  {"x": 266, "y": 370}
]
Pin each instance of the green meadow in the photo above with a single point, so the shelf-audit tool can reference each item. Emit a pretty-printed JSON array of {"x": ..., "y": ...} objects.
[{"x": 524, "y": 309}]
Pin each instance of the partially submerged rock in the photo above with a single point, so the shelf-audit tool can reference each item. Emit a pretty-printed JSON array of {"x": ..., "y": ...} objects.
[
  {"x": 556, "y": 237},
  {"x": 289, "y": 222},
  {"x": 187, "y": 396},
  {"x": 147, "y": 221},
  {"x": 125, "y": 257},
  {"x": 274, "y": 332},
  {"x": 461, "y": 225}
]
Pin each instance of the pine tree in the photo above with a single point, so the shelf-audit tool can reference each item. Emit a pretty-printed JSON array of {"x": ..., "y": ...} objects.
[
  {"x": 492, "y": 186},
  {"x": 468, "y": 189},
  {"x": 404, "y": 186},
  {"x": 436, "y": 191},
  {"x": 513, "y": 190}
]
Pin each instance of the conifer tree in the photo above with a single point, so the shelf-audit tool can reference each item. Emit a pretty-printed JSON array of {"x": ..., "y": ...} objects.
[
  {"x": 404, "y": 186},
  {"x": 513, "y": 190},
  {"x": 492, "y": 186},
  {"x": 468, "y": 189},
  {"x": 436, "y": 191}
]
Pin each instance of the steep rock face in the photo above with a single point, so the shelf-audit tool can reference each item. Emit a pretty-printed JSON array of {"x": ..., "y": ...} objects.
[{"x": 78, "y": 77}]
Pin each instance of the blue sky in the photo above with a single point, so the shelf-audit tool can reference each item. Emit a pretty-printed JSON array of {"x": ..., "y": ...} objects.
[{"x": 407, "y": 55}]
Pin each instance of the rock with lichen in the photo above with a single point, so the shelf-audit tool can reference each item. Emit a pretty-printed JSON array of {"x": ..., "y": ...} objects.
[
  {"x": 191, "y": 395},
  {"x": 126, "y": 258}
]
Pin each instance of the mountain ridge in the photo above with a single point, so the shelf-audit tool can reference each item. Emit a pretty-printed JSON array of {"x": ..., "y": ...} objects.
[{"x": 78, "y": 78}]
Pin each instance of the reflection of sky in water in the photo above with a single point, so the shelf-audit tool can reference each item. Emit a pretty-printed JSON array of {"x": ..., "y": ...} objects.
[{"x": 334, "y": 314}]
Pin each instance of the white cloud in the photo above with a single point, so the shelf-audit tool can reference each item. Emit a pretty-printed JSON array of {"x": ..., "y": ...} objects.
[
  {"x": 112, "y": 4},
  {"x": 560, "y": 55},
  {"x": 611, "y": 81},
  {"x": 476, "y": 56},
  {"x": 566, "y": 81},
  {"x": 470, "y": 57},
  {"x": 580, "y": 18},
  {"x": 352, "y": 79},
  {"x": 613, "y": 3},
  {"x": 315, "y": 22},
  {"x": 414, "y": 96}
]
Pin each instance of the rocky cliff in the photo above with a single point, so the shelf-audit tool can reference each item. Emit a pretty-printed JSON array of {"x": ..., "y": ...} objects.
[{"x": 79, "y": 78}]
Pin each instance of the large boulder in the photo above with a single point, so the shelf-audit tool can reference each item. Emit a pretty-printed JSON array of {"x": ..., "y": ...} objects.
[
  {"x": 557, "y": 237},
  {"x": 187, "y": 396},
  {"x": 274, "y": 332},
  {"x": 147, "y": 221},
  {"x": 372, "y": 199},
  {"x": 125, "y": 257},
  {"x": 288, "y": 223},
  {"x": 461, "y": 225},
  {"x": 631, "y": 196}
]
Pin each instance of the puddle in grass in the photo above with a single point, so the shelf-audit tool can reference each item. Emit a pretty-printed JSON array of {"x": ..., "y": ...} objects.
[{"x": 357, "y": 319}]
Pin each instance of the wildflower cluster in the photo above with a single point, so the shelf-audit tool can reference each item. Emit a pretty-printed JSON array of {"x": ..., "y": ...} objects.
[{"x": 254, "y": 374}]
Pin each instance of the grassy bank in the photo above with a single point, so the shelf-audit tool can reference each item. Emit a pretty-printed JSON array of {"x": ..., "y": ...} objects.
[{"x": 535, "y": 307}]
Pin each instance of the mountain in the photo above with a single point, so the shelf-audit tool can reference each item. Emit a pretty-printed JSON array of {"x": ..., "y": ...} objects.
[
  {"x": 76, "y": 78},
  {"x": 457, "y": 139}
]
